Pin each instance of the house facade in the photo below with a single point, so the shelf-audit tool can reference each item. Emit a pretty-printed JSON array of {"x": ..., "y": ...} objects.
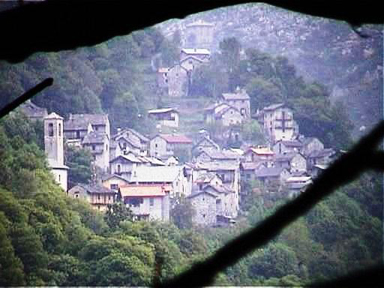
[
  {"x": 178, "y": 81},
  {"x": 98, "y": 144},
  {"x": 166, "y": 144},
  {"x": 259, "y": 154},
  {"x": 123, "y": 165},
  {"x": 148, "y": 202},
  {"x": 78, "y": 125},
  {"x": 287, "y": 146},
  {"x": 97, "y": 195},
  {"x": 225, "y": 114},
  {"x": 293, "y": 162},
  {"x": 204, "y": 204},
  {"x": 166, "y": 116},
  {"x": 240, "y": 100}
]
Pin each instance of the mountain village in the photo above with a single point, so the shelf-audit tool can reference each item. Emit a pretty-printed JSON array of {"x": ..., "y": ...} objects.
[{"x": 145, "y": 172}]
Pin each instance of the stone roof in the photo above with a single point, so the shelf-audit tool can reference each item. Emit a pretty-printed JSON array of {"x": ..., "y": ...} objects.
[
  {"x": 224, "y": 110},
  {"x": 216, "y": 166},
  {"x": 205, "y": 178},
  {"x": 273, "y": 107},
  {"x": 32, "y": 110},
  {"x": 220, "y": 155},
  {"x": 139, "y": 135},
  {"x": 192, "y": 51},
  {"x": 96, "y": 189},
  {"x": 285, "y": 157},
  {"x": 129, "y": 158},
  {"x": 239, "y": 95},
  {"x": 141, "y": 190},
  {"x": 269, "y": 172},
  {"x": 81, "y": 121},
  {"x": 110, "y": 176},
  {"x": 291, "y": 143},
  {"x": 321, "y": 153},
  {"x": 94, "y": 138},
  {"x": 155, "y": 174},
  {"x": 213, "y": 143},
  {"x": 53, "y": 115},
  {"x": 161, "y": 110},
  {"x": 175, "y": 139},
  {"x": 251, "y": 165},
  {"x": 261, "y": 150},
  {"x": 308, "y": 140},
  {"x": 219, "y": 188},
  {"x": 132, "y": 141},
  {"x": 202, "y": 192}
]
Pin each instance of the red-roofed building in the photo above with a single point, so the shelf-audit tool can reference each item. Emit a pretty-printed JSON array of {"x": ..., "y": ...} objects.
[
  {"x": 166, "y": 144},
  {"x": 149, "y": 202}
]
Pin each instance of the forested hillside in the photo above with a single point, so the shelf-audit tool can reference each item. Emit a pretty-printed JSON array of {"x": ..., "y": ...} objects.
[
  {"x": 48, "y": 238},
  {"x": 323, "y": 50},
  {"x": 115, "y": 77}
]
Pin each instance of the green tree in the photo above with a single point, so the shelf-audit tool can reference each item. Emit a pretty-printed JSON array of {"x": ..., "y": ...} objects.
[
  {"x": 182, "y": 212},
  {"x": 79, "y": 161},
  {"x": 117, "y": 213}
]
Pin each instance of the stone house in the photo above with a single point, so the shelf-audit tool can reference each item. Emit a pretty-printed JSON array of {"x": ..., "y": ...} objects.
[
  {"x": 174, "y": 176},
  {"x": 98, "y": 144},
  {"x": 114, "y": 182},
  {"x": 296, "y": 185},
  {"x": 204, "y": 143},
  {"x": 147, "y": 202},
  {"x": 213, "y": 155},
  {"x": 240, "y": 100},
  {"x": 278, "y": 122},
  {"x": 162, "y": 77},
  {"x": 310, "y": 145},
  {"x": 223, "y": 113},
  {"x": 32, "y": 111},
  {"x": 204, "y": 204},
  {"x": 124, "y": 164},
  {"x": 128, "y": 144},
  {"x": 166, "y": 144},
  {"x": 199, "y": 34},
  {"x": 269, "y": 175},
  {"x": 54, "y": 148},
  {"x": 248, "y": 170},
  {"x": 78, "y": 125},
  {"x": 166, "y": 116},
  {"x": 191, "y": 62},
  {"x": 320, "y": 157},
  {"x": 293, "y": 162},
  {"x": 287, "y": 146},
  {"x": 97, "y": 195},
  {"x": 178, "y": 81},
  {"x": 259, "y": 154}
]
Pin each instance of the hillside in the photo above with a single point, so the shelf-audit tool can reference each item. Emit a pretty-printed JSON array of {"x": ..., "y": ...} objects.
[{"x": 324, "y": 50}]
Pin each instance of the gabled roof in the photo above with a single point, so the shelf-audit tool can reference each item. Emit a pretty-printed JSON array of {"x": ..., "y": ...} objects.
[
  {"x": 141, "y": 190},
  {"x": 191, "y": 57},
  {"x": 175, "y": 139},
  {"x": 269, "y": 172},
  {"x": 129, "y": 131},
  {"x": 213, "y": 143},
  {"x": 219, "y": 188},
  {"x": 53, "y": 115},
  {"x": 261, "y": 150},
  {"x": 251, "y": 165},
  {"x": 285, "y": 157},
  {"x": 216, "y": 166},
  {"x": 290, "y": 143},
  {"x": 240, "y": 95},
  {"x": 202, "y": 192},
  {"x": 95, "y": 189},
  {"x": 155, "y": 174},
  {"x": 193, "y": 51},
  {"x": 222, "y": 110},
  {"x": 94, "y": 138},
  {"x": 110, "y": 176},
  {"x": 205, "y": 177},
  {"x": 321, "y": 153},
  {"x": 308, "y": 140},
  {"x": 129, "y": 158},
  {"x": 81, "y": 121},
  {"x": 298, "y": 179},
  {"x": 130, "y": 140},
  {"x": 220, "y": 155},
  {"x": 273, "y": 107},
  {"x": 162, "y": 110}
]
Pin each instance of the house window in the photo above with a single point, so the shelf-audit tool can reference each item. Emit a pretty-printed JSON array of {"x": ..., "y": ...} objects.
[
  {"x": 93, "y": 147},
  {"x": 98, "y": 197},
  {"x": 200, "y": 186},
  {"x": 59, "y": 178},
  {"x": 77, "y": 134},
  {"x": 76, "y": 195},
  {"x": 203, "y": 215},
  {"x": 151, "y": 201},
  {"x": 50, "y": 129},
  {"x": 114, "y": 187},
  {"x": 155, "y": 145},
  {"x": 135, "y": 202},
  {"x": 59, "y": 129},
  {"x": 119, "y": 169},
  {"x": 109, "y": 198}
]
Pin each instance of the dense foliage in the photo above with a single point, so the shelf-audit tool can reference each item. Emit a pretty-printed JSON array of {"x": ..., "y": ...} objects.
[{"x": 48, "y": 238}]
